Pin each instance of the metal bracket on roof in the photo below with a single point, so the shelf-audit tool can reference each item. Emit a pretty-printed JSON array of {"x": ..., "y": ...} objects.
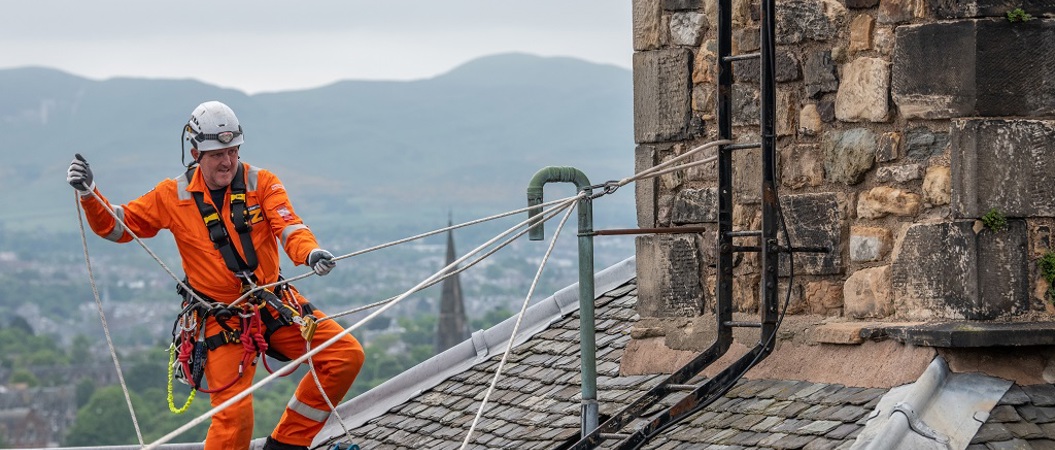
[
  {"x": 480, "y": 344},
  {"x": 918, "y": 425}
]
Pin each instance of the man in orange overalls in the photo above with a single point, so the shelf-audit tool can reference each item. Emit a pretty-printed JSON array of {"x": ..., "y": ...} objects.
[{"x": 227, "y": 218}]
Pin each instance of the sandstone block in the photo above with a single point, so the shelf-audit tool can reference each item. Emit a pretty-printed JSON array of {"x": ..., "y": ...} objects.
[
  {"x": 937, "y": 185},
  {"x": 883, "y": 41},
  {"x": 647, "y": 16},
  {"x": 959, "y": 9},
  {"x": 899, "y": 174},
  {"x": 848, "y": 154},
  {"x": 662, "y": 106},
  {"x": 824, "y": 297},
  {"x": 982, "y": 68},
  {"x": 897, "y": 11},
  {"x": 947, "y": 271},
  {"x": 668, "y": 277},
  {"x": 864, "y": 90},
  {"x": 686, "y": 28},
  {"x": 746, "y": 105},
  {"x": 861, "y": 33},
  {"x": 816, "y": 220},
  {"x": 869, "y": 243},
  {"x": 810, "y": 120},
  {"x": 867, "y": 294},
  {"x": 704, "y": 68},
  {"x": 1003, "y": 164},
  {"x": 922, "y": 143},
  {"x": 645, "y": 190},
  {"x": 799, "y": 20},
  {"x": 695, "y": 206},
  {"x": 801, "y": 166},
  {"x": 883, "y": 200},
  {"x": 787, "y": 112}
]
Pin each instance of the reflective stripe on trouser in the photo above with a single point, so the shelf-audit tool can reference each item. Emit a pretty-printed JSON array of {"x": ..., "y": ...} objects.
[{"x": 337, "y": 367}]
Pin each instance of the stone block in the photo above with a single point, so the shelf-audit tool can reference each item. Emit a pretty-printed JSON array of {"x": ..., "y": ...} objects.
[
  {"x": 788, "y": 68},
  {"x": 748, "y": 169},
  {"x": 704, "y": 68},
  {"x": 693, "y": 206},
  {"x": 869, "y": 243},
  {"x": 947, "y": 271},
  {"x": 960, "y": 9},
  {"x": 824, "y": 297},
  {"x": 898, "y": 11},
  {"x": 848, "y": 155},
  {"x": 982, "y": 68},
  {"x": 662, "y": 91},
  {"x": 922, "y": 143},
  {"x": 1003, "y": 164},
  {"x": 686, "y": 28},
  {"x": 704, "y": 101},
  {"x": 882, "y": 201},
  {"x": 861, "y": 33},
  {"x": 937, "y": 185},
  {"x": 826, "y": 108},
  {"x": 819, "y": 74},
  {"x": 899, "y": 174},
  {"x": 746, "y": 105},
  {"x": 866, "y": 294},
  {"x": 887, "y": 147},
  {"x": 801, "y": 166},
  {"x": 883, "y": 41},
  {"x": 682, "y": 5},
  {"x": 647, "y": 18},
  {"x": 746, "y": 40},
  {"x": 861, "y": 4},
  {"x": 645, "y": 157},
  {"x": 817, "y": 20},
  {"x": 863, "y": 92},
  {"x": 815, "y": 220},
  {"x": 810, "y": 120},
  {"x": 668, "y": 274},
  {"x": 787, "y": 112}
]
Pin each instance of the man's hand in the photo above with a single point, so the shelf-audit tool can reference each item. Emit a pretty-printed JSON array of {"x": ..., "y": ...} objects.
[
  {"x": 321, "y": 261},
  {"x": 80, "y": 176}
]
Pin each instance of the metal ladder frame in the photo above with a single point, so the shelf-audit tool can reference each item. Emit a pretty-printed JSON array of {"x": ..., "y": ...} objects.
[{"x": 706, "y": 393}]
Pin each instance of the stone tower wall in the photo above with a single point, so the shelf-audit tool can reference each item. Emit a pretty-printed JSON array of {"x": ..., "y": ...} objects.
[{"x": 901, "y": 124}]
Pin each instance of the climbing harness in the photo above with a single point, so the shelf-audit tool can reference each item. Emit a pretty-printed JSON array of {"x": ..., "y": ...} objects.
[{"x": 240, "y": 218}]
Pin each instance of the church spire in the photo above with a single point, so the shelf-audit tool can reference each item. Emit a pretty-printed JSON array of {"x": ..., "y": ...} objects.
[{"x": 452, "y": 327}]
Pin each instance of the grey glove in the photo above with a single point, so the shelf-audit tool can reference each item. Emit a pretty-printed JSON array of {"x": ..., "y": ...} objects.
[
  {"x": 321, "y": 261},
  {"x": 80, "y": 176}
]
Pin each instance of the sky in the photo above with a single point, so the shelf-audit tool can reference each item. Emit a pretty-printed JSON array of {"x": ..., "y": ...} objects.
[{"x": 269, "y": 45}]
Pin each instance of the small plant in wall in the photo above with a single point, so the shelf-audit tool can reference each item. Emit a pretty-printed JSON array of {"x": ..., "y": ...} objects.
[
  {"x": 1018, "y": 15},
  {"x": 1047, "y": 270},
  {"x": 995, "y": 220}
]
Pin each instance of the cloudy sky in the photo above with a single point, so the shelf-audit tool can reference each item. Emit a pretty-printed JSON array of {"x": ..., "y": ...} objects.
[{"x": 271, "y": 45}]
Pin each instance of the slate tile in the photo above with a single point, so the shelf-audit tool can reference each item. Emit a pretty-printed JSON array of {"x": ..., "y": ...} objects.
[
  {"x": 794, "y": 442},
  {"x": 991, "y": 432},
  {"x": 842, "y": 431},
  {"x": 747, "y": 438},
  {"x": 807, "y": 391},
  {"x": 1042, "y": 444},
  {"x": 866, "y": 396},
  {"x": 1048, "y": 429},
  {"x": 792, "y": 410},
  {"x": 1013, "y": 444},
  {"x": 819, "y": 427},
  {"x": 822, "y": 444},
  {"x": 1037, "y": 414},
  {"x": 1014, "y": 396},
  {"x": 1041, "y": 394},
  {"x": 768, "y": 424},
  {"x": 1024, "y": 430},
  {"x": 1003, "y": 413}
]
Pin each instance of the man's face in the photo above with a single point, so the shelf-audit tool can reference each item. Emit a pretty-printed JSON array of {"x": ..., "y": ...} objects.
[{"x": 218, "y": 166}]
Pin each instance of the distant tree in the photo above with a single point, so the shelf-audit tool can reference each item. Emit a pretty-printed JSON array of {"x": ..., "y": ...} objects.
[
  {"x": 21, "y": 375},
  {"x": 84, "y": 390},
  {"x": 20, "y": 323},
  {"x": 105, "y": 420}
]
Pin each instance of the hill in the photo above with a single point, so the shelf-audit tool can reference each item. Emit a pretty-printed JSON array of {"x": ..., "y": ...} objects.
[{"x": 353, "y": 152}]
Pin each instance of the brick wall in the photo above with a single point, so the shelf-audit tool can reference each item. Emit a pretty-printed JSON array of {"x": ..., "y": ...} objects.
[{"x": 900, "y": 124}]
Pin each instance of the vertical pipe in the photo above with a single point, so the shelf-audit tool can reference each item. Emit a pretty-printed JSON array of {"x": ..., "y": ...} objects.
[
  {"x": 587, "y": 327},
  {"x": 724, "y": 291},
  {"x": 770, "y": 253}
]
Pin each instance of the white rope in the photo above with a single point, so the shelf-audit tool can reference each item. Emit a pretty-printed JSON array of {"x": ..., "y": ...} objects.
[
  {"x": 546, "y": 216},
  {"x": 335, "y": 338},
  {"x": 122, "y": 224},
  {"x": 516, "y": 328},
  {"x": 398, "y": 242},
  {"x": 106, "y": 327},
  {"x": 657, "y": 170}
]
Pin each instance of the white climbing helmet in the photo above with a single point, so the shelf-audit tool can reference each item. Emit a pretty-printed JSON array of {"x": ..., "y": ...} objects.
[{"x": 213, "y": 126}]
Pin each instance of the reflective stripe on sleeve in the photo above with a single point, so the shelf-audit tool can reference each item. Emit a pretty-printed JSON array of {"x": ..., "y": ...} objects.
[
  {"x": 181, "y": 187},
  {"x": 289, "y": 230},
  {"x": 251, "y": 178},
  {"x": 119, "y": 229},
  {"x": 299, "y": 407}
]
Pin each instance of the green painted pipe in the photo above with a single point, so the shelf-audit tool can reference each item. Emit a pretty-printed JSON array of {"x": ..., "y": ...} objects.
[{"x": 587, "y": 339}]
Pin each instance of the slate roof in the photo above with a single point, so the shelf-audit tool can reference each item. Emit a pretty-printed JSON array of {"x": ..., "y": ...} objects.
[{"x": 536, "y": 405}]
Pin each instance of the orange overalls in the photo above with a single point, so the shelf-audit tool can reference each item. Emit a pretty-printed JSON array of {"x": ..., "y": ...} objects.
[{"x": 170, "y": 205}]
